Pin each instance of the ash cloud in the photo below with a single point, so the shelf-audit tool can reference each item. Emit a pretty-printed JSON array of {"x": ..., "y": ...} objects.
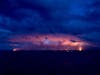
[{"x": 52, "y": 16}]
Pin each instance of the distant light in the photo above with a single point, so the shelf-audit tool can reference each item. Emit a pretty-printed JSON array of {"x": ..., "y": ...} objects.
[
  {"x": 16, "y": 49},
  {"x": 80, "y": 48}
]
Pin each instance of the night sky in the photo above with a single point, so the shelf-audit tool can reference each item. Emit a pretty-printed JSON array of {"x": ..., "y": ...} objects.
[{"x": 76, "y": 17}]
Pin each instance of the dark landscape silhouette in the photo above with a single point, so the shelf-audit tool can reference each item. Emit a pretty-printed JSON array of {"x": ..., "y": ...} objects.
[{"x": 49, "y": 62}]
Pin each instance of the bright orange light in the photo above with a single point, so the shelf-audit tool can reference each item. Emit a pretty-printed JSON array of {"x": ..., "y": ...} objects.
[{"x": 80, "y": 48}]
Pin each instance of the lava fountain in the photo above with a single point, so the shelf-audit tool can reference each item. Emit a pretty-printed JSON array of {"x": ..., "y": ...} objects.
[{"x": 47, "y": 42}]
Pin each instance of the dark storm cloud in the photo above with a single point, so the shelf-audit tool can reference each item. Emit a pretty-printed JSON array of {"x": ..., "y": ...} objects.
[{"x": 81, "y": 17}]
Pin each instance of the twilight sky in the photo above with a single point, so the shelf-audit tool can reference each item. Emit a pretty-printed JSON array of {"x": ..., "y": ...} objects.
[{"x": 77, "y": 17}]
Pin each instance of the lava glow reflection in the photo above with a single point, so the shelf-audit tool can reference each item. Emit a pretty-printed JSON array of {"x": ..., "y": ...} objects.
[{"x": 48, "y": 42}]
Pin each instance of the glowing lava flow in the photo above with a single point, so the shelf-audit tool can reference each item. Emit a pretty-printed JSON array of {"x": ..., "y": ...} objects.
[{"x": 48, "y": 42}]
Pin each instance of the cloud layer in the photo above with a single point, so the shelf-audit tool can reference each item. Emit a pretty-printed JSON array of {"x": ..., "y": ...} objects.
[{"x": 52, "y": 16}]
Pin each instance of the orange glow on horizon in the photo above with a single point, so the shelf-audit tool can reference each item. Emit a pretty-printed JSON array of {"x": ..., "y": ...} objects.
[{"x": 60, "y": 41}]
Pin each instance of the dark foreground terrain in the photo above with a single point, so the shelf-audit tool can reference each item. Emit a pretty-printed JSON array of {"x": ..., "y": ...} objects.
[{"x": 49, "y": 62}]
